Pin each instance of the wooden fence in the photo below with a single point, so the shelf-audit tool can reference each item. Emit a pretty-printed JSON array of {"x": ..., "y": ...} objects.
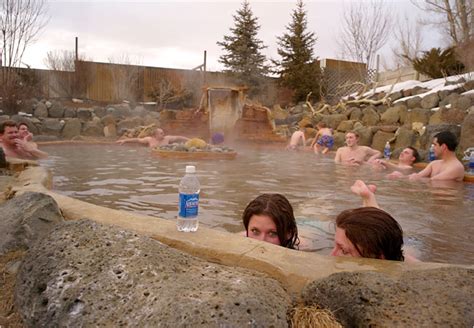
[{"x": 111, "y": 83}]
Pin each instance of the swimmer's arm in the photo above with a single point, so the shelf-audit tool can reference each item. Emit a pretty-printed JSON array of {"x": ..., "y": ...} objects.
[
  {"x": 315, "y": 139},
  {"x": 337, "y": 159},
  {"x": 31, "y": 149},
  {"x": 425, "y": 173},
  {"x": 134, "y": 140},
  {"x": 374, "y": 154}
]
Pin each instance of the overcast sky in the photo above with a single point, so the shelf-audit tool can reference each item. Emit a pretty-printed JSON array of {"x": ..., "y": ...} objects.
[{"x": 175, "y": 34}]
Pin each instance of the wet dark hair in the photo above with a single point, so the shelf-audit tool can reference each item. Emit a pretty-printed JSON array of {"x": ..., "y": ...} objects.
[
  {"x": 373, "y": 232},
  {"x": 416, "y": 154},
  {"x": 279, "y": 209},
  {"x": 5, "y": 124},
  {"x": 448, "y": 138}
]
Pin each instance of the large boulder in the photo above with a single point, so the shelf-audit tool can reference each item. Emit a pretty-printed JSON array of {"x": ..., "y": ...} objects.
[
  {"x": 414, "y": 102},
  {"x": 391, "y": 115},
  {"x": 339, "y": 139},
  {"x": 380, "y": 139},
  {"x": 334, "y": 120},
  {"x": 370, "y": 116},
  {"x": 87, "y": 275},
  {"x": 467, "y": 132},
  {"x": 452, "y": 115},
  {"x": 365, "y": 135},
  {"x": 418, "y": 115},
  {"x": 56, "y": 110},
  {"x": 84, "y": 114},
  {"x": 25, "y": 219},
  {"x": 430, "y": 101},
  {"x": 72, "y": 128},
  {"x": 345, "y": 126},
  {"x": 406, "y": 137},
  {"x": 51, "y": 126},
  {"x": 431, "y": 130},
  {"x": 429, "y": 298},
  {"x": 462, "y": 102},
  {"x": 356, "y": 114},
  {"x": 41, "y": 110},
  {"x": 70, "y": 112},
  {"x": 129, "y": 123},
  {"x": 93, "y": 129},
  {"x": 100, "y": 111}
]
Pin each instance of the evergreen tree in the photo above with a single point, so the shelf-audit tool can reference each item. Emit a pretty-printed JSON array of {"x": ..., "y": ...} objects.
[
  {"x": 243, "y": 56},
  {"x": 298, "y": 69}
]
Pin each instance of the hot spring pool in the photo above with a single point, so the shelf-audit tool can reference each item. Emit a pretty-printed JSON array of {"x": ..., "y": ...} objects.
[{"x": 437, "y": 220}]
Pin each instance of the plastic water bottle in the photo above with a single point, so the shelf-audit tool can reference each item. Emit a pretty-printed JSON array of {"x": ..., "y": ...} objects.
[
  {"x": 189, "y": 188},
  {"x": 471, "y": 164},
  {"x": 431, "y": 154},
  {"x": 386, "y": 151}
]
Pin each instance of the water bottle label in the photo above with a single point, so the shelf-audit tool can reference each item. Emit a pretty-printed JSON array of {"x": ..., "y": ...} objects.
[{"x": 188, "y": 205}]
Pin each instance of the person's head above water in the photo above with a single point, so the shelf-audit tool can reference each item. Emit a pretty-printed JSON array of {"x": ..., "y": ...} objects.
[
  {"x": 409, "y": 155},
  {"x": 368, "y": 232},
  {"x": 270, "y": 218}
]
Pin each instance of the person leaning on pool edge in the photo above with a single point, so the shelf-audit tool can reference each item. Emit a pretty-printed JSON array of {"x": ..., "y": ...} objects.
[{"x": 270, "y": 218}]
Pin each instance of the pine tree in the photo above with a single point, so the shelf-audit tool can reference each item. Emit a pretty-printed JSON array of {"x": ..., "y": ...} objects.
[
  {"x": 298, "y": 69},
  {"x": 243, "y": 56}
]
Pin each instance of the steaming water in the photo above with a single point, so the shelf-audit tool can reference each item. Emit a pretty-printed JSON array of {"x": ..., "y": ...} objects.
[{"x": 437, "y": 220}]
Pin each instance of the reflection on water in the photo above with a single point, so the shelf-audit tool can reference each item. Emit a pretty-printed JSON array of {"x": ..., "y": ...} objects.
[{"x": 436, "y": 219}]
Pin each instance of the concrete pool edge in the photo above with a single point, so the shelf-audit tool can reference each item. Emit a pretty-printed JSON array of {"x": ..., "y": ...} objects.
[{"x": 293, "y": 269}]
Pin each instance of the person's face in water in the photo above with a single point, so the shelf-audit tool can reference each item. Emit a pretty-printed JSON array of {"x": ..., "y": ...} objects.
[
  {"x": 23, "y": 131},
  {"x": 159, "y": 134},
  {"x": 343, "y": 246},
  {"x": 263, "y": 228}
]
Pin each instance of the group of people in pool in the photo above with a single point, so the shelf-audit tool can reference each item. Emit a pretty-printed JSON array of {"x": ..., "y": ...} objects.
[
  {"x": 366, "y": 232},
  {"x": 17, "y": 141},
  {"x": 446, "y": 167}
]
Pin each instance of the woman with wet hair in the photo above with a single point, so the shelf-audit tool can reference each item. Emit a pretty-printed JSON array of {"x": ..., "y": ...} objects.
[
  {"x": 368, "y": 232},
  {"x": 270, "y": 218}
]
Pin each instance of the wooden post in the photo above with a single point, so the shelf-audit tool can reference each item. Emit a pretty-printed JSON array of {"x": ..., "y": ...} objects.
[
  {"x": 205, "y": 67},
  {"x": 77, "y": 48}
]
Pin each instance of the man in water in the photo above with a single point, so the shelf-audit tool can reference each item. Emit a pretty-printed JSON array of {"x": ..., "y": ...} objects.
[
  {"x": 14, "y": 146},
  {"x": 296, "y": 137},
  {"x": 407, "y": 158},
  {"x": 158, "y": 138},
  {"x": 447, "y": 167},
  {"x": 353, "y": 154}
]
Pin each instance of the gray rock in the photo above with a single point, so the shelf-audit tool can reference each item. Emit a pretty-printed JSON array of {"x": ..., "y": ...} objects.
[
  {"x": 129, "y": 123},
  {"x": 108, "y": 119},
  {"x": 414, "y": 102},
  {"x": 406, "y": 137},
  {"x": 334, "y": 120},
  {"x": 41, "y": 110},
  {"x": 432, "y": 130},
  {"x": 380, "y": 138},
  {"x": 339, "y": 139},
  {"x": 121, "y": 110},
  {"x": 70, "y": 112},
  {"x": 467, "y": 132},
  {"x": 452, "y": 115},
  {"x": 72, "y": 128},
  {"x": 345, "y": 126},
  {"x": 426, "y": 298},
  {"x": 356, "y": 114},
  {"x": 365, "y": 135},
  {"x": 370, "y": 116},
  {"x": 435, "y": 118},
  {"x": 84, "y": 114},
  {"x": 395, "y": 95},
  {"x": 48, "y": 104},
  {"x": 430, "y": 101},
  {"x": 418, "y": 115},
  {"x": 56, "y": 110},
  {"x": 100, "y": 111},
  {"x": 86, "y": 275},
  {"x": 28, "y": 106},
  {"x": 461, "y": 102},
  {"x": 51, "y": 126},
  {"x": 110, "y": 131},
  {"x": 93, "y": 129},
  {"x": 25, "y": 219},
  {"x": 139, "y": 111},
  {"x": 391, "y": 115}
]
